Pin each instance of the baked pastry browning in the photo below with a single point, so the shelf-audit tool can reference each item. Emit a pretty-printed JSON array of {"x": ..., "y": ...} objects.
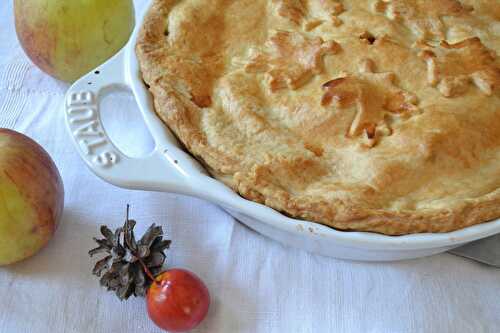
[{"x": 368, "y": 115}]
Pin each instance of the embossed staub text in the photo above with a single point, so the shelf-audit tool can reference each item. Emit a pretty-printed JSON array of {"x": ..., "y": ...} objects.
[{"x": 87, "y": 129}]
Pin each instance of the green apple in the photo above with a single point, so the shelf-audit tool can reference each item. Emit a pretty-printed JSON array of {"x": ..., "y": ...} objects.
[
  {"x": 31, "y": 197},
  {"x": 69, "y": 38}
]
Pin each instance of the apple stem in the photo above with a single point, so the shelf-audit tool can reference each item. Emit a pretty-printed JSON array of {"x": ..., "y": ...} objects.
[
  {"x": 146, "y": 269},
  {"x": 148, "y": 272}
]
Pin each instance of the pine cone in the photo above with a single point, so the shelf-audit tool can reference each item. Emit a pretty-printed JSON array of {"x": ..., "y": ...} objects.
[{"x": 129, "y": 264}]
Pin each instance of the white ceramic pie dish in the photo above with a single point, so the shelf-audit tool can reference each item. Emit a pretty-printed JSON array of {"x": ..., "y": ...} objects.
[{"x": 170, "y": 169}]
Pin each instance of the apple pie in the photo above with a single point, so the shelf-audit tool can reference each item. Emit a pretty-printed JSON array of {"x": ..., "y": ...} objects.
[{"x": 366, "y": 115}]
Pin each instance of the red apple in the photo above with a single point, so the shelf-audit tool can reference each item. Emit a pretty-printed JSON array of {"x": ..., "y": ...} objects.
[
  {"x": 177, "y": 301},
  {"x": 69, "y": 38},
  {"x": 31, "y": 197}
]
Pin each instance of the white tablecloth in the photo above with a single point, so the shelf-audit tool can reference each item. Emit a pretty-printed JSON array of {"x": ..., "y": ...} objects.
[{"x": 257, "y": 285}]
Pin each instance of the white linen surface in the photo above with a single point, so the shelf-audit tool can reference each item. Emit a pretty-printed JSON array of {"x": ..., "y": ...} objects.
[{"x": 257, "y": 285}]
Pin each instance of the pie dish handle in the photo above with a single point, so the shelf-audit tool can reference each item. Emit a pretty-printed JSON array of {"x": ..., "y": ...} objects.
[{"x": 154, "y": 172}]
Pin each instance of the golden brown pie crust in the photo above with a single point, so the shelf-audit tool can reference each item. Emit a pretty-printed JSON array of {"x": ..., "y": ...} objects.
[{"x": 378, "y": 115}]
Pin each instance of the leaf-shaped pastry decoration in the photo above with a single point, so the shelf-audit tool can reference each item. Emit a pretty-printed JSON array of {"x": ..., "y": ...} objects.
[
  {"x": 299, "y": 12},
  {"x": 332, "y": 7},
  {"x": 374, "y": 96},
  {"x": 423, "y": 17},
  {"x": 293, "y": 10},
  {"x": 290, "y": 59},
  {"x": 452, "y": 68}
]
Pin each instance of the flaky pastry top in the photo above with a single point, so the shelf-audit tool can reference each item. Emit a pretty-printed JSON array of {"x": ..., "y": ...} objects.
[{"x": 372, "y": 115}]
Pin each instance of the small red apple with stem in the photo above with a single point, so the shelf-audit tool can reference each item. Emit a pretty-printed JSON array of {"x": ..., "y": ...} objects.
[
  {"x": 31, "y": 197},
  {"x": 177, "y": 300}
]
